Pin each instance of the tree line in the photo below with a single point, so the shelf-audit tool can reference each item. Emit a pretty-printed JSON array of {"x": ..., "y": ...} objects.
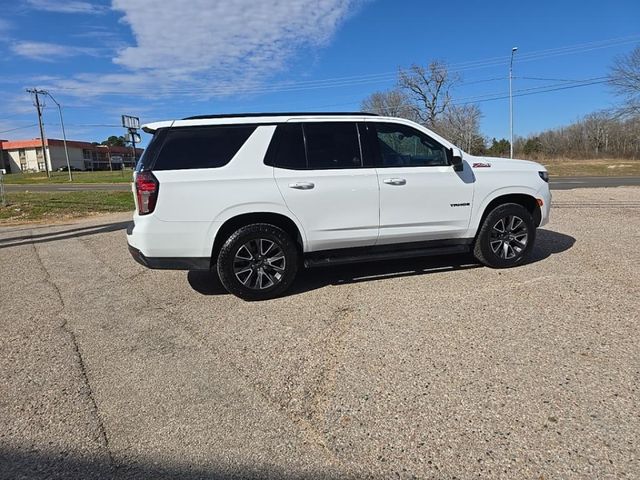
[{"x": 424, "y": 95}]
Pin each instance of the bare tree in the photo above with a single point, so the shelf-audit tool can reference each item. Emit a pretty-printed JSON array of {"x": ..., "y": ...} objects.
[
  {"x": 598, "y": 135},
  {"x": 461, "y": 125},
  {"x": 390, "y": 103},
  {"x": 429, "y": 89},
  {"x": 624, "y": 77}
]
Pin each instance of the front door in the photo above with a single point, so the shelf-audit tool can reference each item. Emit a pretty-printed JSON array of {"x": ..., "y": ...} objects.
[{"x": 421, "y": 196}]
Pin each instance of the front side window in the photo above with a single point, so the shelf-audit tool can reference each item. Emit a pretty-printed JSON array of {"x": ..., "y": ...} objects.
[
  {"x": 332, "y": 145},
  {"x": 403, "y": 146},
  {"x": 201, "y": 147}
]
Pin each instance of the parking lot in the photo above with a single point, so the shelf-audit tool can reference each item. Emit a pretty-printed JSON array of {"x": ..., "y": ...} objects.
[{"x": 428, "y": 368}]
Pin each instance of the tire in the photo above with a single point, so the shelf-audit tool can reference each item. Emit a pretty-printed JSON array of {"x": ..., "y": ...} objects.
[
  {"x": 258, "y": 262},
  {"x": 506, "y": 236}
]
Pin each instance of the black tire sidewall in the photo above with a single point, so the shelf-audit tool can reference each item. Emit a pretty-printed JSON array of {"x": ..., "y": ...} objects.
[
  {"x": 483, "y": 251},
  {"x": 240, "y": 237}
]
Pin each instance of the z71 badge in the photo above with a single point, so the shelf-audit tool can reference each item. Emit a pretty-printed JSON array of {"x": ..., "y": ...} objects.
[{"x": 481, "y": 165}]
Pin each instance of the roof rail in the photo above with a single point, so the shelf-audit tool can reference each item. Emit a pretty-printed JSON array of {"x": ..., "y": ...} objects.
[{"x": 280, "y": 114}]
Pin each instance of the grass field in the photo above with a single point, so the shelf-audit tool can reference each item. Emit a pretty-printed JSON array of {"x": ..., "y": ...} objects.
[
  {"x": 596, "y": 168},
  {"x": 120, "y": 176},
  {"x": 29, "y": 206}
]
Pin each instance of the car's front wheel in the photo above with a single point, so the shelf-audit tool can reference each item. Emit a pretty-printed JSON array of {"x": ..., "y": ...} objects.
[
  {"x": 258, "y": 262},
  {"x": 506, "y": 236}
]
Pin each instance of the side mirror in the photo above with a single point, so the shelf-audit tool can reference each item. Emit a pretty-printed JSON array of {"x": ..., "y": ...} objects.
[{"x": 455, "y": 158}]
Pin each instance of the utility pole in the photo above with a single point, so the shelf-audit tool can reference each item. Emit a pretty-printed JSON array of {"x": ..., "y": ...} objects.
[
  {"x": 64, "y": 135},
  {"x": 36, "y": 92},
  {"x": 133, "y": 145},
  {"x": 513, "y": 51}
]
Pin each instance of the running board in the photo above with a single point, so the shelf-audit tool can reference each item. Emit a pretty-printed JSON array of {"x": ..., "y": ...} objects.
[{"x": 334, "y": 258}]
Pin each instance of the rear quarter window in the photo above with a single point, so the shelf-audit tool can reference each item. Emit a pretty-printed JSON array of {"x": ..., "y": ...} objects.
[{"x": 186, "y": 148}]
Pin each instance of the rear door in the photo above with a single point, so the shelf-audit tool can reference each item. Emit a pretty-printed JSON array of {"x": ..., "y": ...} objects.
[
  {"x": 319, "y": 169},
  {"x": 421, "y": 196}
]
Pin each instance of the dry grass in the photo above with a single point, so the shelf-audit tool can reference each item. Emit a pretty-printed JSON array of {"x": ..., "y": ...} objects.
[{"x": 601, "y": 167}]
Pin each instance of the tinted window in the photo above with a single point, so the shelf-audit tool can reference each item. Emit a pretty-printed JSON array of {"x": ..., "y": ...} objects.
[
  {"x": 201, "y": 147},
  {"x": 403, "y": 146},
  {"x": 332, "y": 145},
  {"x": 149, "y": 153},
  {"x": 287, "y": 148}
]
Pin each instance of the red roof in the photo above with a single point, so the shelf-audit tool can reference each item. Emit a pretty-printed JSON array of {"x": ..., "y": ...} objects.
[{"x": 53, "y": 142}]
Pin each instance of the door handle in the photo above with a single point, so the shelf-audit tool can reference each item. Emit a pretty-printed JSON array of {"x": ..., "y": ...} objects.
[
  {"x": 302, "y": 185},
  {"x": 395, "y": 181}
]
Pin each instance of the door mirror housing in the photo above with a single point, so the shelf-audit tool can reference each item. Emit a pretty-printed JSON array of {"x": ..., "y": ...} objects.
[{"x": 455, "y": 159}]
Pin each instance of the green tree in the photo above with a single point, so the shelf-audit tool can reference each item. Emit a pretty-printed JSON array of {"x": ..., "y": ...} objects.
[
  {"x": 532, "y": 146},
  {"x": 114, "y": 141},
  {"x": 499, "y": 148}
]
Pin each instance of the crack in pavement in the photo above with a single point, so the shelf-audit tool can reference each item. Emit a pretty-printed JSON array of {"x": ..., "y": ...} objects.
[
  {"x": 333, "y": 346},
  {"x": 64, "y": 326},
  {"x": 303, "y": 423}
]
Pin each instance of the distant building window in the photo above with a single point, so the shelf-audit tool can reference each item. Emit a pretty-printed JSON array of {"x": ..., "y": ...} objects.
[
  {"x": 22, "y": 154},
  {"x": 23, "y": 165},
  {"x": 86, "y": 154},
  {"x": 40, "y": 166}
]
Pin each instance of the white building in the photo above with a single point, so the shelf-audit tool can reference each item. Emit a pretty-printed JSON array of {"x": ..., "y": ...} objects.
[{"x": 26, "y": 155}]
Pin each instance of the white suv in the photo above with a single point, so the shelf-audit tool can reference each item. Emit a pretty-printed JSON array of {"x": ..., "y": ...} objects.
[{"x": 258, "y": 196}]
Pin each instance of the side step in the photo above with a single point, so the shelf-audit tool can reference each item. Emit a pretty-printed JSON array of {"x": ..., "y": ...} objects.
[{"x": 334, "y": 258}]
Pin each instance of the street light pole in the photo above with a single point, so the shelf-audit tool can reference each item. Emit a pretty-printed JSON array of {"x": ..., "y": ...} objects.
[
  {"x": 513, "y": 51},
  {"x": 64, "y": 135}
]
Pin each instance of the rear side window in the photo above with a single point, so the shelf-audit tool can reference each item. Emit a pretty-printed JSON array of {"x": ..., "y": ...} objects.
[
  {"x": 287, "y": 148},
  {"x": 332, "y": 145},
  {"x": 152, "y": 150},
  {"x": 201, "y": 147}
]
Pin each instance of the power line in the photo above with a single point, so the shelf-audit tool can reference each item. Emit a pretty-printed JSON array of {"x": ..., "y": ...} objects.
[
  {"x": 19, "y": 128},
  {"x": 354, "y": 80},
  {"x": 481, "y": 96},
  {"x": 502, "y": 95},
  {"x": 526, "y": 93}
]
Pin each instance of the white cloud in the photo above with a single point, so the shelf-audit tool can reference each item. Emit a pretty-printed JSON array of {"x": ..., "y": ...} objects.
[
  {"x": 50, "y": 51},
  {"x": 67, "y": 6},
  {"x": 235, "y": 38},
  {"x": 205, "y": 49},
  {"x": 224, "y": 43}
]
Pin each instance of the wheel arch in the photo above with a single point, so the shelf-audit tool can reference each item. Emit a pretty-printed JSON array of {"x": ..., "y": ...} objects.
[
  {"x": 527, "y": 200},
  {"x": 237, "y": 221}
]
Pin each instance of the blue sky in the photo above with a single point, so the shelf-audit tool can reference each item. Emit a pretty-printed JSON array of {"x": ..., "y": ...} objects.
[{"x": 175, "y": 58}]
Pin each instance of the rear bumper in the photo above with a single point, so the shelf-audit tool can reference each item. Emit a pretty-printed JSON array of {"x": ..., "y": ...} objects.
[{"x": 170, "y": 263}]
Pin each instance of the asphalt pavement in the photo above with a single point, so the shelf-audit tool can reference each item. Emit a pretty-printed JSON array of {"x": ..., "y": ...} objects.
[
  {"x": 557, "y": 183},
  {"x": 426, "y": 368},
  {"x": 569, "y": 183}
]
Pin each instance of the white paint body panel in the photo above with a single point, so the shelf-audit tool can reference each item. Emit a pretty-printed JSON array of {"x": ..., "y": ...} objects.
[
  {"x": 345, "y": 208},
  {"x": 339, "y": 211}
]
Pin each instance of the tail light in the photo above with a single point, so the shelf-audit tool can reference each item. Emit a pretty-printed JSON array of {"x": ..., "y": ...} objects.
[{"x": 146, "y": 192}]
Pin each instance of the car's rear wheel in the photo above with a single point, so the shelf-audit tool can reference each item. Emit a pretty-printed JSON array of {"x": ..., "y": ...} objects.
[
  {"x": 506, "y": 236},
  {"x": 258, "y": 262}
]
